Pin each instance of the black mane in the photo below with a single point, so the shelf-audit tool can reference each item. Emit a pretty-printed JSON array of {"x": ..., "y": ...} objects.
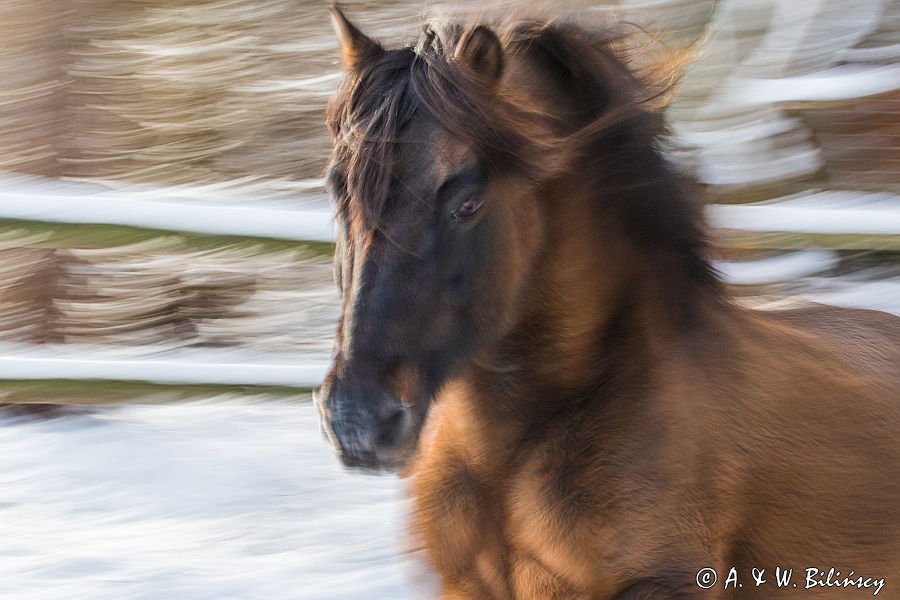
[{"x": 609, "y": 132}]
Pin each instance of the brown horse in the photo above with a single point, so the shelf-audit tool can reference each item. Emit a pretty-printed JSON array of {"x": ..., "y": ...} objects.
[{"x": 531, "y": 330}]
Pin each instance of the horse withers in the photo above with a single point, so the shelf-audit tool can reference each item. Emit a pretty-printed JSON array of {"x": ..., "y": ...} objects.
[{"x": 532, "y": 332}]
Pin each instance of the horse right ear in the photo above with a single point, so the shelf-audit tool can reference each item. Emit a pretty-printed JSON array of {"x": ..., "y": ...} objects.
[
  {"x": 481, "y": 51},
  {"x": 354, "y": 43}
]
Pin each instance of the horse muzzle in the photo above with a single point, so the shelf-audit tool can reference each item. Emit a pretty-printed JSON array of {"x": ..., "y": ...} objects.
[{"x": 369, "y": 427}]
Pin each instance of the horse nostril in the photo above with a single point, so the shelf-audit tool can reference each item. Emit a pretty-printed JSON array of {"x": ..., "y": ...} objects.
[{"x": 390, "y": 428}]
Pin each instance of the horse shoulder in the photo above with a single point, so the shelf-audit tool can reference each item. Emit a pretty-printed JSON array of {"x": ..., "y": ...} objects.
[{"x": 598, "y": 504}]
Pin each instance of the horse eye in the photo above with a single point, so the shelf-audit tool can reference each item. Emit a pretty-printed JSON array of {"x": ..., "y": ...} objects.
[{"x": 468, "y": 208}]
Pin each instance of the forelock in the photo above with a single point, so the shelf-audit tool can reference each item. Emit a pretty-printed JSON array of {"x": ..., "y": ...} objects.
[{"x": 378, "y": 98}]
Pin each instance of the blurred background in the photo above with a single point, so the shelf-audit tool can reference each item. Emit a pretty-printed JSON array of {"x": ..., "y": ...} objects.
[{"x": 166, "y": 299}]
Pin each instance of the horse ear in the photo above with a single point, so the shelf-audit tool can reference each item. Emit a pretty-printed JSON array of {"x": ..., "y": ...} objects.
[
  {"x": 354, "y": 43},
  {"x": 481, "y": 51}
]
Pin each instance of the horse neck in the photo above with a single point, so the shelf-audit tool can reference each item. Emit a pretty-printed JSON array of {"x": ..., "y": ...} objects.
[
  {"x": 597, "y": 323},
  {"x": 596, "y": 291}
]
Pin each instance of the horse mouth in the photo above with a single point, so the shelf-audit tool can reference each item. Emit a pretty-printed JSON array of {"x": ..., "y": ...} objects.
[
  {"x": 381, "y": 446},
  {"x": 378, "y": 463}
]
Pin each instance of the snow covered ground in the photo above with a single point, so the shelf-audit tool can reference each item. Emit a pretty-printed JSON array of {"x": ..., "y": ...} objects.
[{"x": 225, "y": 499}]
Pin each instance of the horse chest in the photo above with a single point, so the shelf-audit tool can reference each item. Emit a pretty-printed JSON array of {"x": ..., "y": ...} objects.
[
  {"x": 560, "y": 533},
  {"x": 520, "y": 540}
]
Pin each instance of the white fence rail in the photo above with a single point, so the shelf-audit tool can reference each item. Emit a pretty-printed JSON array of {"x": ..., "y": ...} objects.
[
  {"x": 822, "y": 212},
  {"x": 815, "y": 212},
  {"x": 171, "y": 214},
  {"x": 182, "y": 367}
]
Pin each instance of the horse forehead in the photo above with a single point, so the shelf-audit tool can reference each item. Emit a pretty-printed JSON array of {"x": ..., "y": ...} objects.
[{"x": 429, "y": 154}]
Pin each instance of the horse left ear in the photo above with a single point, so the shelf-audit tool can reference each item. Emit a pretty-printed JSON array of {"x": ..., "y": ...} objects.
[
  {"x": 354, "y": 43},
  {"x": 481, "y": 51}
]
